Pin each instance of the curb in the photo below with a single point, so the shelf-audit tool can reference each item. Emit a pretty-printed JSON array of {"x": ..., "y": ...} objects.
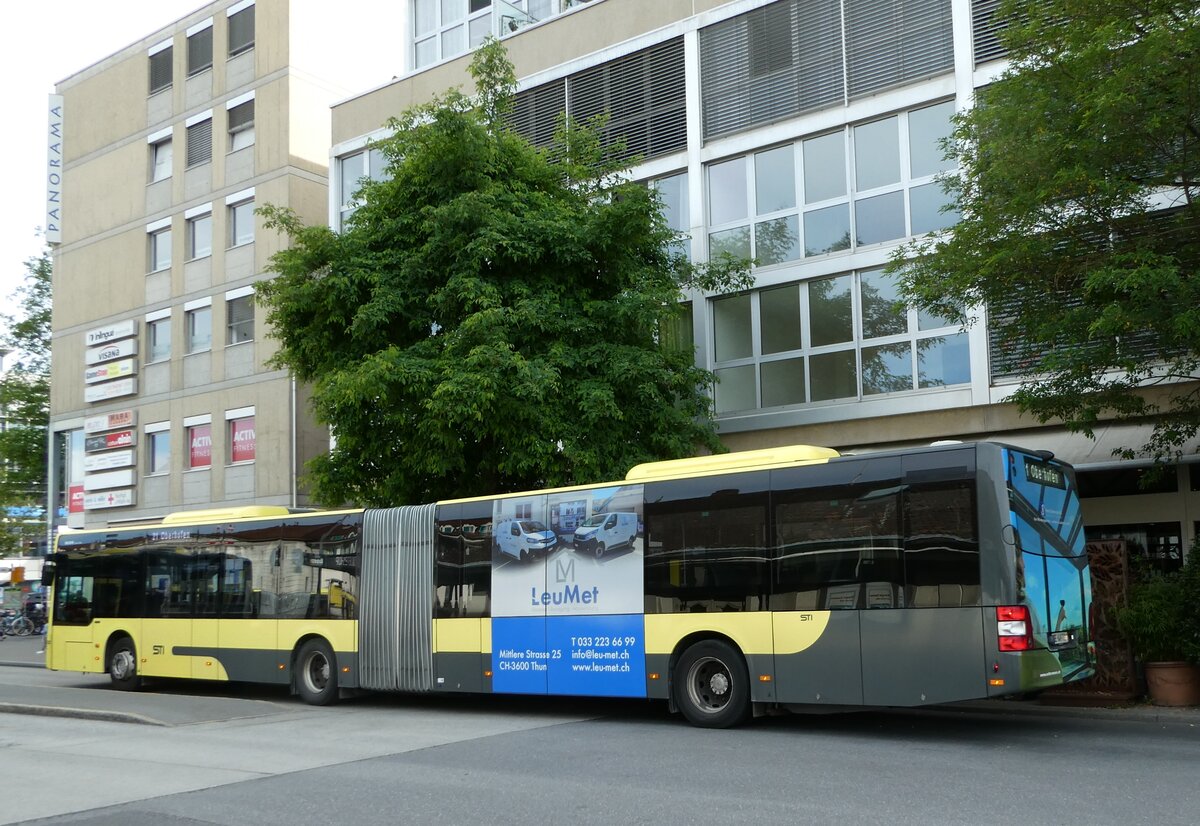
[
  {"x": 1132, "y": 714},
  {"x": 81, "y": 713}
]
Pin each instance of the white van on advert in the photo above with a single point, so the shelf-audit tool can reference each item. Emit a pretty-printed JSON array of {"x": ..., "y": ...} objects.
[
  {"x": 601, "y": 532},
  {"x": 524, "y": 538}
]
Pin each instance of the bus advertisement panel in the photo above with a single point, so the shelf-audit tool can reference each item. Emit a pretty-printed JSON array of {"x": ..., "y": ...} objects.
[{"x": 567, "y": 593}]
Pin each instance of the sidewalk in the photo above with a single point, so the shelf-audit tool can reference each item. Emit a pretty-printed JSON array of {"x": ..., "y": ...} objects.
[{"x": 23, "y": 651}]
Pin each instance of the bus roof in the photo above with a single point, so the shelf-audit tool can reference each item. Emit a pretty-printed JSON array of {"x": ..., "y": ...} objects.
[
  {"x": 773, "y": 457},
  {"x": 726, "y": 462}
]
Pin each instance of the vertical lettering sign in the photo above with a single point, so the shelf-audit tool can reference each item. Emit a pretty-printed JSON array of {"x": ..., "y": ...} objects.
[
  {"x": 54, "y": 170},
  {"x": 200, "y": 446},
  {"x": 242, "y": 438}
]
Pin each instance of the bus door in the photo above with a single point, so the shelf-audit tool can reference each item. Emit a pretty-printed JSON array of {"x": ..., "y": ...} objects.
[
  {"x": 927, "y": 645},
  {"x": 167, "y": 626},
  {"x": 836, "y": 536},
  {"x": 71, "y": 647},
  {"x": 96, "y": 594},
  {"x": 204, "y": 587},
  {"x": 250, "y": 584}
]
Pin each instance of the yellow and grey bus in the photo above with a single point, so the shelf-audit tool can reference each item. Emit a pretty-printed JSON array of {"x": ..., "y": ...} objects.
[{"x": 782, "y": 578}]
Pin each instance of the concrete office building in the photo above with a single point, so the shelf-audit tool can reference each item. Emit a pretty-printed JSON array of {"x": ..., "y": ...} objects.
[
  {"x": 160, "y": 153},
  {"x": 804, "y": 133}
]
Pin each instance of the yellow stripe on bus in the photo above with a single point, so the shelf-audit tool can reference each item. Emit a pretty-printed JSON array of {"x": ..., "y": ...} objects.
[
  {"x": 458, "y": 635},
  {"x": 749, "y": 630}
]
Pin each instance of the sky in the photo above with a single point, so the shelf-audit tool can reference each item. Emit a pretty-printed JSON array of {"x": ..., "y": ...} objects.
[{"x": 41, "y": 44}]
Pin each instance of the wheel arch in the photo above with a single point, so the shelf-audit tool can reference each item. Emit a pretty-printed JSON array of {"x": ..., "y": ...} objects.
[
  {"x": 300, "y": 642},
  {"x": 111, "y": 641}
]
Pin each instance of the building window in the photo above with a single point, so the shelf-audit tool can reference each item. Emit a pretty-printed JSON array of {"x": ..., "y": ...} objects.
[
  {"x": 199, "y": 440},
  {"x": 673, "y": 192},
  {"x": 445, "y": 28},
  {"x": 239, "y": 319},
  {"x": 158, "y": 336},
  {"x": 832, "y": 192},
  {"x": 199, "y": 142},
  {"x": 158, "y": 448},
  {"x": 200, "y": 50},
  {"x": 846, "y": 336},
  {"x": 370, "y": 164},
  {"x": 241, "y": 223},
  {"x": 160, "y": 160},
  {"x": 199, "y": 329},
  {"x": 160, "y": 69},
  {"x": 241, "y": 30},
  {"x": 241, "y": 439},
  {"x": 160, "y": 249},
  {"x": 199, "y": 236},
  {"x": 241, "y": 126}
]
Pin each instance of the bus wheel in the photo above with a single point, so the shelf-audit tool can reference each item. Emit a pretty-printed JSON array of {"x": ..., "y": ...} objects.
[
  {"x": 599, "y": 550},
  {"x": 710, "y": 685},
  {"x": 316, "y": 673},
  {"x": 122, "y": 665}
]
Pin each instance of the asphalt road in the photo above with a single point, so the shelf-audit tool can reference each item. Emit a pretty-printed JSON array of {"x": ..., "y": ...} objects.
[{"x": 204, "y": 755}]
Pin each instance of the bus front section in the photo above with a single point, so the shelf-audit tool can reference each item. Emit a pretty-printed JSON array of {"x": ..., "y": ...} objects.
[{"x": 1044, "y": 628}]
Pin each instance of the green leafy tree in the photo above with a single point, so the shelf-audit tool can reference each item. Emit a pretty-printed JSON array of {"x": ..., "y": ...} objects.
[
  {"x": 25, "y": 410},
  {"x": 494, "y": 317},
  {"x": 1077, "y": 184}
]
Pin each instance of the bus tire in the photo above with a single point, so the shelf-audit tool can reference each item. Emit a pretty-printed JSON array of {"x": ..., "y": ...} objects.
[
  {"x": 316, "y": 673},
  {"x": 122, "y": 665},
  {"x": 710, "y": 685}
]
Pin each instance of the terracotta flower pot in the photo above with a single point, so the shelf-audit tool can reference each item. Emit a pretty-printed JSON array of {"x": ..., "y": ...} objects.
[{"x": 1173, "y": 683}]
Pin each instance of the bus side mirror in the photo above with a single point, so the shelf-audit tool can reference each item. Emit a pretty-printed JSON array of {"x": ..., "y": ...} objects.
[{"x": 48, "y": 572}]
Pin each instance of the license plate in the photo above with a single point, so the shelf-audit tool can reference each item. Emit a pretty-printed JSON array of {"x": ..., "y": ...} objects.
[{"x": 1060, "y": 638}]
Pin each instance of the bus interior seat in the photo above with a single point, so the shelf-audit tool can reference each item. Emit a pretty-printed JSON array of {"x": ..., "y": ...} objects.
[
  {"x": 950, "y": 595},
  {"x": 923, "y": 596}
]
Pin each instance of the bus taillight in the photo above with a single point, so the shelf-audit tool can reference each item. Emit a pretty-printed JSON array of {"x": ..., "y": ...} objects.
[{"x": 1013, "y": 628}]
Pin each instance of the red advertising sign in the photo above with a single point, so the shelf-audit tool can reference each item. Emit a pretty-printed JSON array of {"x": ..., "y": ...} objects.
[
  {"x": 75, "y": 499},
  {"x": 108, "y": 441},
  {"x": 241, "y": 435},
  {"x": 200, "y": 446}
]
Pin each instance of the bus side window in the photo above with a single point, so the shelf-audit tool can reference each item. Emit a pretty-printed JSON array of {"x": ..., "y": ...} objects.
[
  {"x": 941, "y": 545},
  {"x": 706, "y": 548}
]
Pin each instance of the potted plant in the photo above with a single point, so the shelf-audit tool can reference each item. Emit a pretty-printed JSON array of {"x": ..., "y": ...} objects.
[{"x": 1161, "y": 622}]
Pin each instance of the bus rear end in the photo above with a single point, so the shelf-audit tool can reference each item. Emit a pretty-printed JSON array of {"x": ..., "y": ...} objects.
[{"x": 1043, "y": 633}]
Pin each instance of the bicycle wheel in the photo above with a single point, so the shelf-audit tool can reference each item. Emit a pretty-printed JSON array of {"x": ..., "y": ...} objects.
[{"x": 22, "y": 626}]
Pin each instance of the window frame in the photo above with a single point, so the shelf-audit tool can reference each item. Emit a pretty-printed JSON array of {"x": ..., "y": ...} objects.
[
  {"x": 233, "y": 420},
  {"x": 193, "y": 427},
  {"x": 243, "y": 297},
  {"x": 197, "y": 127},
  {"x": 160, "y": 55},
  {"x": 192, "y": 312},
  {"x": 241, "y": 135},
  {"x": 162, "y": 155},
  {"x": 192, "y": 220},
  {"x": 158, "y": 446},
  {"x": 159, "y": 241},
  {"x": 196, "y": 37},
  {"x": 239, "y": 10},
  {"x": 238, "y": 213},
  {"x": 158, "y": 323}
]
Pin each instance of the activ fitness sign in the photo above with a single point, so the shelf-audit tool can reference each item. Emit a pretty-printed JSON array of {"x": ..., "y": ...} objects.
[{"x": 567, "y": 604}]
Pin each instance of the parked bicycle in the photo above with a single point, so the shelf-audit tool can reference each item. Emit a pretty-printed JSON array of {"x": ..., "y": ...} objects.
[{"x": 16, "y": 625}]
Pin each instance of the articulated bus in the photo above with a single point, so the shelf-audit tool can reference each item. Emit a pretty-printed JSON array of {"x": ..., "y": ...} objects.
[{"x": 791, "y": 578}]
